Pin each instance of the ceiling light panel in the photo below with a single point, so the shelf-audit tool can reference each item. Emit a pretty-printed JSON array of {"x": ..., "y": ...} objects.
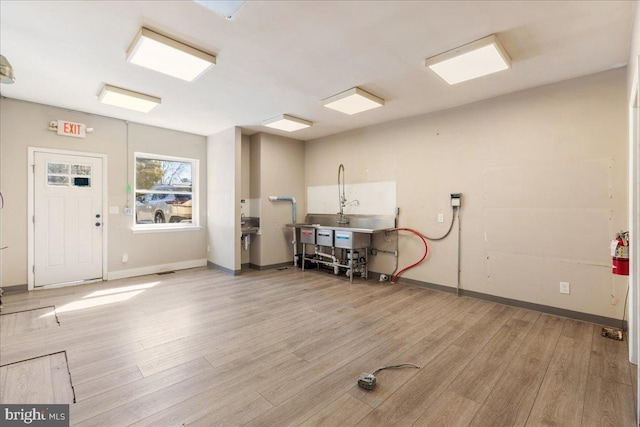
[
  {"x": 226, "y": 8},
  {"x": 159, "y": 53},
  {"x": 352, "y": 101},
  {"x": 124, "y": 98},
  {"x": 287, "y": 123},
  {"x": 6, "y": 71},
  {"x": 477, "y": 59}
]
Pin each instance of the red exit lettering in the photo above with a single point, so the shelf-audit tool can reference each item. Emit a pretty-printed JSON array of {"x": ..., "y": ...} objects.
[
  {"x": 72, "y": 128},
  {"x": 76, "y": 130}
]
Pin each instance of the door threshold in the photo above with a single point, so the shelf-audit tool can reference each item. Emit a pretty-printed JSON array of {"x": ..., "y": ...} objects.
[{"x": 64, "y": 284}]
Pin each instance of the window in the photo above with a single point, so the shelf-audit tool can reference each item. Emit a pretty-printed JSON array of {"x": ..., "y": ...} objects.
[
  {"x": 165, "y": 192},
  {"x": 68, "y": 175}
]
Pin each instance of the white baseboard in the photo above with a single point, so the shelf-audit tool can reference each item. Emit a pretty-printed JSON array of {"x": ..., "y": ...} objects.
[{"x": 153, "y": 269}]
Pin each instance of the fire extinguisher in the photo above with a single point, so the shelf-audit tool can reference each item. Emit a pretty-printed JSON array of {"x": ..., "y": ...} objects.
[{"x": 620, "y": 254}]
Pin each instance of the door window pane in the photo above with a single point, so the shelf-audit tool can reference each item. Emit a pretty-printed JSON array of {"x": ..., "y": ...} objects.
[
  {"x": 82, "y": 170},
  {"x": 58, "y": 180},
  {"x": 62, "y": 168}
]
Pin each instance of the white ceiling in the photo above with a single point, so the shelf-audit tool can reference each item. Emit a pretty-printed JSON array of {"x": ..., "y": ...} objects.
[{"x": 284, "y": 57}]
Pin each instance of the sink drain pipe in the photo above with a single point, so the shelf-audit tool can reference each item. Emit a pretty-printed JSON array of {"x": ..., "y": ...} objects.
[
  {"x": 293, "y": 219},
  {"x": 336, "y": 269}
]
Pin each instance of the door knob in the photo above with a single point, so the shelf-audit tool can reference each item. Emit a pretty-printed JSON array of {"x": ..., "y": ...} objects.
[
  {"x": 97, "y": 224},
  {"x": 97, "y": 215}
]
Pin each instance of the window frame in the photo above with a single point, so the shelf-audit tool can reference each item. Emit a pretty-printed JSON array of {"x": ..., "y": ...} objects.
[{"x": 195, "y": 195}]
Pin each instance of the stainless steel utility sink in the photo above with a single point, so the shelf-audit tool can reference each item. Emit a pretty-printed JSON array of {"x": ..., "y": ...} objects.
[
  {"x": 249, "y": 230},
  {"x": 249, "y": 225}
]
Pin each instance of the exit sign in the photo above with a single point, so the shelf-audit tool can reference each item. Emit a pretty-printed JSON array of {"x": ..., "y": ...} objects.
[{"x": 76, "y": 130}]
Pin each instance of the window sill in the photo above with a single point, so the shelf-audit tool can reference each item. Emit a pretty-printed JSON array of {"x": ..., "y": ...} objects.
[{"x": 137, "y": 229}]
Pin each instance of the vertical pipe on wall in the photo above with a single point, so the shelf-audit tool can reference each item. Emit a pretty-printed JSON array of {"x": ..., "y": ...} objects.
[
  {"x": 458, "y": 263},
  {"x": 396, "y": 221},
  {"x": 287, "y": 199}
]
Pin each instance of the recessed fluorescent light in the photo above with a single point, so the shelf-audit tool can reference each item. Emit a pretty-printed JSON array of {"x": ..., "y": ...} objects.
[
  {"x": 476, "y": 59},
  {"x": 127, "y": 99},
  {"x": 226, "y": 8},
  {"x": 287, "y": 123},
  {"x": 165, "y": 55},
  {"x": 6, "y": 71},
  {"x": 352, "y": 101}
]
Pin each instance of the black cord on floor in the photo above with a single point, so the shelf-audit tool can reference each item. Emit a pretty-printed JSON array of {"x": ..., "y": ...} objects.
[{"x": 624, "y": 312}]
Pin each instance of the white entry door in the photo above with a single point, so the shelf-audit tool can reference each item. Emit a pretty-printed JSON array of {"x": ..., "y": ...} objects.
[{"x": 68, "y": 218}]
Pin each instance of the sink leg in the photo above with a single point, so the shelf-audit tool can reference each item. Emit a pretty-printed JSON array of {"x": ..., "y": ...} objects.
[
  {"x": 304, "y": 254},
  {"x": 295, "y": 246},
  {"x": 366, "y": 263}
]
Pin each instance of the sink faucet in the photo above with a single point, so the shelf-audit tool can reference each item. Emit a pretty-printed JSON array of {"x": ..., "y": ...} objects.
[{"x": 342, "y": 199}]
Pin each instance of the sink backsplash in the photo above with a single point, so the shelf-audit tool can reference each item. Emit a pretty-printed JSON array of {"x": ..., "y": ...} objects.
[
  {"x": 250, "y": 207},
  {"x": 363, "y": 221}
]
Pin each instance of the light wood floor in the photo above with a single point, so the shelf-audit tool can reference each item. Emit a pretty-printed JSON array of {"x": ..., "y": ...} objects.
[{"x": 279, "y": 348}]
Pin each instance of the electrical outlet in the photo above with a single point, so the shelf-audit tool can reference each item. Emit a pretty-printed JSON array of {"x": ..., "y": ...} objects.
[
  {"x": 125, "y": 257},
  {"x": 440, "y": 217},
  {"x": 565, "y": 288}
]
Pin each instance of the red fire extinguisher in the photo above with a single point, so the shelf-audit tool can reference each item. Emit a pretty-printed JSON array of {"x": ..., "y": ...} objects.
[{"x": 620, "y": 254}]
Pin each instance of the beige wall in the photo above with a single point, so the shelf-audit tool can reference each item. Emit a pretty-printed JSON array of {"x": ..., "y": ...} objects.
[
  {"x": 634, "y": 186},
  {"x": 24, "y": 124},
  {"x": 245, "y": 165},
  {"x": 223, "y": 213},
  {"x": 245, "y": 186},
  {"x": 634, "y": 51},
  {"x": 254, "y": 192},
  {"x": 281, "y": 173},
  {"x": 254, "y": 165},
  {"x": 543, "y": 174}
]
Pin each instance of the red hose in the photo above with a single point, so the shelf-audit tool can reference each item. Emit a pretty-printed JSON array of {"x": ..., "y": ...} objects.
[{"x": 426, "y": 250}]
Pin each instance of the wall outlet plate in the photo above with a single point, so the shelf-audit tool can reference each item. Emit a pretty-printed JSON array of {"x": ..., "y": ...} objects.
[
  {"x": 440, "y": 217},
  {"x": 565, "y": 288}
]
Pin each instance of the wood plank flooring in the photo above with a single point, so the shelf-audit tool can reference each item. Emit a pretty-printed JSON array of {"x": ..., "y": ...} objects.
[
  {"x": 41, "y": 380},
  {"x": 284, "y": 348}
]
